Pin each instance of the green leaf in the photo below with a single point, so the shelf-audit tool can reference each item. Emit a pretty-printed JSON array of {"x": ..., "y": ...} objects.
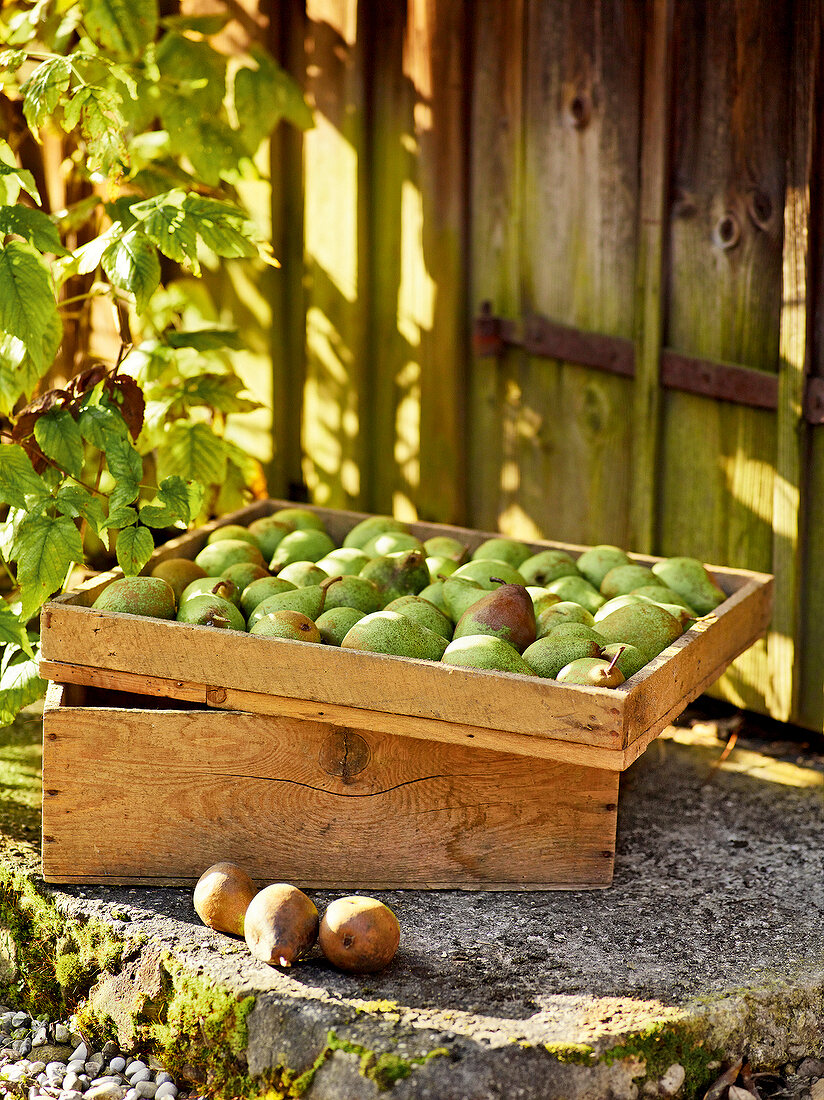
[
  {"x": 120, "y": 516},
  {"x": 171, "y": 505},
  {"x": 44, "y": 548},
  {"x": 205, "y": 339},
  {"x": 166, "y": 223},
  {"x": 218, "y": 391},
  {"x": 44, "y": 89},
  {"x": 13, "y": 180},
  {"x": 20, "y": 685},
  {"x": 265, "y": 95},
  {"x": 34, "y": 225},
  {"x": 12, "y": 630},
  {"x": 208, "y": 141},
  {"x": 101, "y": 426},
  {"x": 132, "y": 265},
  {"x": 77, "y": 502},
  {"x": 59, "y": 438},
  {"x": 221, "y": 226},
  {"x": 20, "y": 486},
  {"x": 134, "y": 547},
  {"x": 194, "y": 452},
  {"x": 124, "y": 27},
  {"x": 27, "y": 306},
  {"x": 194, "y": 63},
  {"x": 11, "y": 60},
  {"x": 199, "y": 24},
  {"x": 126, "y": 467}
]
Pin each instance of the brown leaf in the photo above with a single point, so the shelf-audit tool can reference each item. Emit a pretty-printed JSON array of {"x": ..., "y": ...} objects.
[
  {"x": 736, "y": 1092},
  {"x": 29, "y": 415},
  {"x": 727, "y": 1078},
  {"x": 124, "y": 392},
  {"x": 80, "y": 385}
]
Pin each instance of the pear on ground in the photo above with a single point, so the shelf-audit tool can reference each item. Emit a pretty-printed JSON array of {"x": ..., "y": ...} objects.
[
  {"x": 646, "y": 625},
  {"x": 211, "y": 610},
  {"x": 446, "y": 546},
  {"x": 299, "y": 518},
  {"x": 232, "y": 531},
  {"x": 489, "y": 572},
  {"x": 153, "y": 597},
  {"x": 485, "y": 651},
  {"x": 261, "y": 589},
  {"x": 503, "y": 549},
  {"x": 596, "y": 562},
  {"x": 353, "y": 591},
  {"x": 592, "y": 671},
  {"x": 242, "y": 573},
  {"x": 371, "y": 526},
  {"x": 623, "y": 578},
  {"x": 309, "y": 601},
  {"x": 390, "y": 542},
  {"x": 403, "y": 574},
  {"x": 546, "y": 566},
  {"x": 565, "y": 611},
  {"x": 335, "y": 623},
  {"x": 301, "y": 573},
  {"x": 211, "y": 586},
  {"x": 459, "y": 593},
  {"x": 423, "y": 612},
  {"x": 291, "y": 625},
  {"x": 547, "y": 656},
  {"x": 178, "y": 572},
  {"x": 343, "y": 561},
  {"x": 216, "y": 557},
  {"x": 397, "y": 635},
  {"x": 269, "y": 531},
  {"x": 627, "y": 658},
  {"x": 691, "y": 579},
  {"x": 304, "y": 544},
  {"x": 507, "y": 613},
  {"x": 576, "y": 589}
]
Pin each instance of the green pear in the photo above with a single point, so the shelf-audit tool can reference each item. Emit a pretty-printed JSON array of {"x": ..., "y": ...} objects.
[
  {"x": 577, "y": 590},
  {"x": 309, "y": 601},
  {"x": 503, "y": 549},
  {"x": 367, "y": 528},
  {"x": 542, "y": 598},
  {"x": 627, "y": 658},
  {"x": 242, "y": 573},
  {"x": 617, "y": 601},
  {"x": 446, "y": 546},
  {"x": 269, "y": 531},
  {"x": 334, "y": 624},
  {"x": 153, "y": 597},
  {"x": 434, "y": 593},
  {"x": 215, "y": 557},
  {"x": 547, "y": 656},
  {"x": 489, "y": 572},
  {"x": 353, "y": 591},
  {"x": 292, "y": 625},
  {"x": 301, "y": 573},
  {"x": 459, "y": 593},
  {"x": 507, "y": 613},
  {"x": 344, "y": 561},
  {"x": 423, "y": 612},
  {"x": 440, "y": 566},
  {"x": 299, "y": 518},
  {"x": 178, "y": 572},
  {"x": 213, "y": 586},
  {"x": 593, "y": 671},
  {"x": 577, "y": 630},
  {"x": 566, "y": 611},
  {"x": 390, "y": 633},
  {"x": 691, "y": 579},
  {"x": 662, "y": 593},
  {"x": 623, "y": 578},
  {"x": 402, "y": 575},
  {"x": 547, "y": 566},
  {"x": 211, "y": 610},
  {"x": 647, "y": 626},
  {"x": 390, "y": 542},
  {"x": 596, "y": 562},
  {"x": 487, "y": 652},
  {"x": 232, "y": 531},
  {"x": 259, "y": 590},
  {"x": 303, "y": 544}
]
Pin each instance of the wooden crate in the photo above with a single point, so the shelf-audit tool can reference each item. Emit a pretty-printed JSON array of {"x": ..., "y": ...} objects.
[{"x": 430, "y": 730}]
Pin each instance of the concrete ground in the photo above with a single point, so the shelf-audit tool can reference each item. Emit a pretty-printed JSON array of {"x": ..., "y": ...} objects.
[{"x": 708, "y": 948}]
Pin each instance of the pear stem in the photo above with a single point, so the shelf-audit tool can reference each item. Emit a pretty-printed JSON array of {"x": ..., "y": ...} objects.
[{"x": 615, "y": 658}]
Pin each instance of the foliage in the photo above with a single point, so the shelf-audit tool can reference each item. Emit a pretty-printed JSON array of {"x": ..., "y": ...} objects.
[{"x": 129, "y": 133}]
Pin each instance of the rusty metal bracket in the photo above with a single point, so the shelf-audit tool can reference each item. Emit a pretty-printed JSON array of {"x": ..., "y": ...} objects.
[{"x": 722, "y": 381}]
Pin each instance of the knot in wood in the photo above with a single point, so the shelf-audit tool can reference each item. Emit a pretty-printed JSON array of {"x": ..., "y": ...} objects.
[
  {"x": 727, "y": 232},
  {"x": 579, "y": 110},
  {"x": 344, "y": 754},
  {"x": 760, "y": 209}
]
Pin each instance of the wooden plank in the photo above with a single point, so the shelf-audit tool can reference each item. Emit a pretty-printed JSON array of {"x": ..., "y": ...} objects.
[
  {"x": 415, "y": 815},
  {"x": 789, "y": 500},
  {"x": 650, "y": 273}
]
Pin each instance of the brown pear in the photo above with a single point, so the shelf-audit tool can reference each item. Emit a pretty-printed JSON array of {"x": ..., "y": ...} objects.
[{"x": 507, "y": 613}]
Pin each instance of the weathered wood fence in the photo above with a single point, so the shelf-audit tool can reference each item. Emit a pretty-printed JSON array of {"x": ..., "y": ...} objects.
[{"x": 554, "y": 268}]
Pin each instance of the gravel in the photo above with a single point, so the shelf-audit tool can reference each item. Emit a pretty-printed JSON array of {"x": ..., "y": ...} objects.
[{"x": 41, "y": 1059}]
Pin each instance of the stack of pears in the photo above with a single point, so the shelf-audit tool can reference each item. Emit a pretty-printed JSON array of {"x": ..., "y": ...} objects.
[{"x": 597, "y": 619}]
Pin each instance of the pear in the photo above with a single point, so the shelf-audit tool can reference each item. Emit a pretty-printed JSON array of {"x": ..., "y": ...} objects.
[
  {"x": 487, "y": 652},
  {"x": 353, "y": 591},
  {"x": 593, "y": 671},
  {"x": 303, "y": 544},
  {"x": 565, "y": 611},
  {"x": 577, "y": 630},
  {"x": 391, "y": 633},
  {"x": 446, "y": 546},
  {"x": 344, "y": 561},
  {"x": 211, "y": 610},
  {"x": 662, "y": 593},
  {"x": 301, "y": 519},
  {"x": 503, "y": 549},
  {"x": 367, "y": 528},
  {"x": 242, "y": 573},
  {"x": 334, "y": 624},
  {"x": 402, "y": 575},
  {"x": 259, "y": 590},
  {"x": 390, "y": 542},
  {"x": 292, "y": 625},
  {"x": 301, "y": 573},
  {"x": 269, "y": 531},
  {"x": 577, "y": 590},
  {"x": 215, "y": 557},
  {"x": 691, "y": 579},
  {"x": 596, "y": 562},
  {"x": 616, "y": 602},
  {"x": 232, "y": 531},
  {"x": 483, "y": 570},
  {"x": 507, "y": 613},
  {"x": 308, "y": 600},
  {"x": 178, "y": 572},
  {"x": 627, "y": 658},
  {"x": 547, "y": 656},
  {"x": 542, "y": 598},
  {"x": 211, "y": 586},
  {"x": 459, "y": 593},
  {"x": 150, "y": 596},
  {"x": 440, "y": 566},
  {"x": 434, "y": 593},
  {"x": 623, "y": 578},
  {"x": 546, "y": 566},
  {"x": 423, "y": 612},
  {"x": 647, "y": 626}
]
